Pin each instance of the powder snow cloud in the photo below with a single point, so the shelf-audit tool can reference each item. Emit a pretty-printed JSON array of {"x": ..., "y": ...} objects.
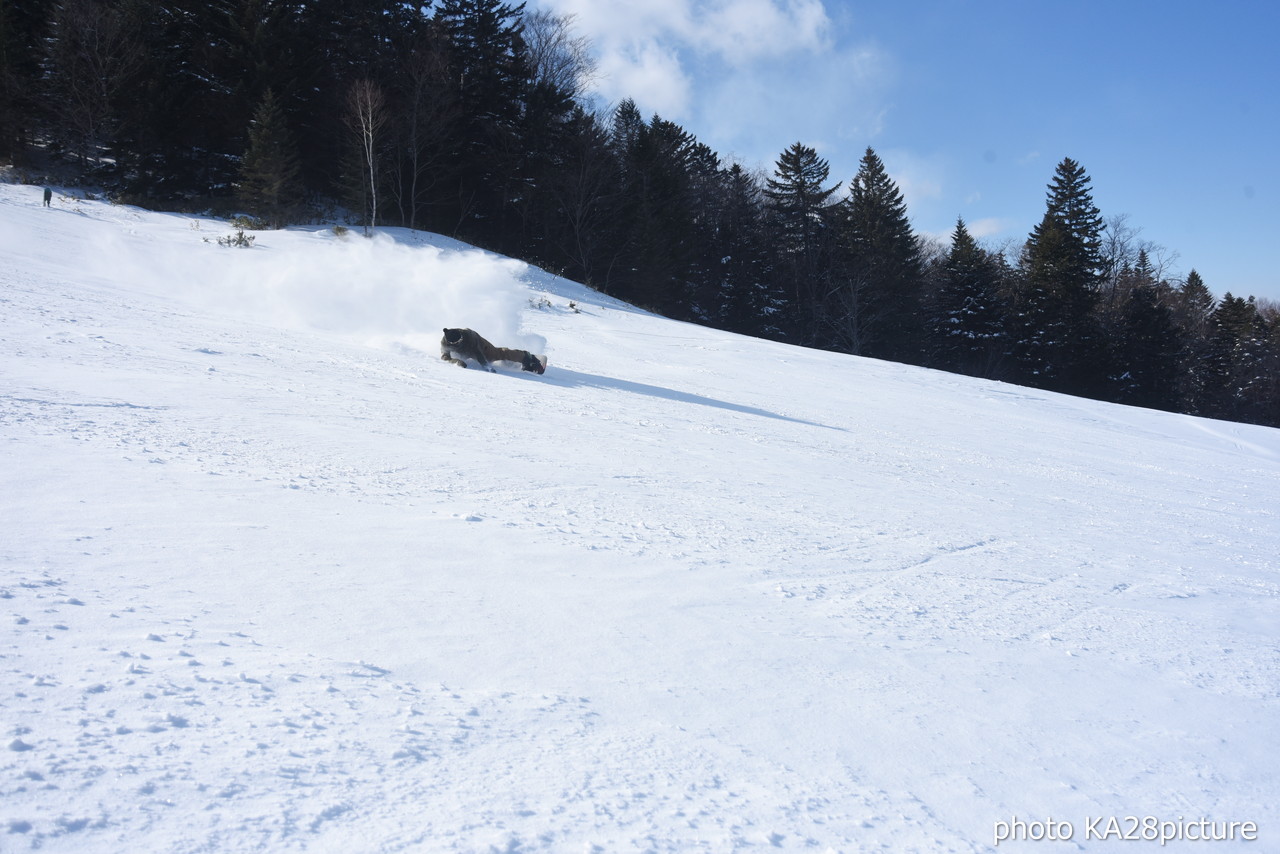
[{"x": 380, "y": 291}]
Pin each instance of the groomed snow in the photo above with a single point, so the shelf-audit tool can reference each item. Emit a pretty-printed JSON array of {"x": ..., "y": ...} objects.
[{"x": 275, "y": 578}]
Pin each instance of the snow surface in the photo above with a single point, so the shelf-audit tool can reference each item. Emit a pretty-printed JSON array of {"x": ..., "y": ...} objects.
[{"x": 275, "y": 578}]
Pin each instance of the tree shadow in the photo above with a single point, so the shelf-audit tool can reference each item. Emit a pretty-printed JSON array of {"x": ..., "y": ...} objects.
[{"x": 577, "y": 379}]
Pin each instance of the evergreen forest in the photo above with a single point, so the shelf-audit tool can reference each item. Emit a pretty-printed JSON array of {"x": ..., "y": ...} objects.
[{"x": 472, "y": 118}]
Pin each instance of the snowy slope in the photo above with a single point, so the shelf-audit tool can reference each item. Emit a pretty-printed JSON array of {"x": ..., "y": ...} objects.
[{"x": 273, "y": 577}]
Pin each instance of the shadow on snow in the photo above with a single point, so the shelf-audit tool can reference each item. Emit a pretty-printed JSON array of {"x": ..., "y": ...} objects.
[{"x": 577, "y": 379}]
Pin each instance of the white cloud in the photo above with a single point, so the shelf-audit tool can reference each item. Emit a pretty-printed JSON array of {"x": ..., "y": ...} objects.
[
  {"x": 831, "y": 101},
  {"x": 650, "y": 75},
  {"x": 666, "y": 54},
  {"x": 742, "y": 31},
  {"x": 738, "y": 30},
  {"x": 986, "y": 227}
]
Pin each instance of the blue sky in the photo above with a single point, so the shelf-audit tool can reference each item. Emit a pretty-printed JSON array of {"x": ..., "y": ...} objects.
[{"x": 1173, "y": 108}]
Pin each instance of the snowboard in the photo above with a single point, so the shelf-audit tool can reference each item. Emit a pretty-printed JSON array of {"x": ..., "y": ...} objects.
[{"x": 542, "y": 360}]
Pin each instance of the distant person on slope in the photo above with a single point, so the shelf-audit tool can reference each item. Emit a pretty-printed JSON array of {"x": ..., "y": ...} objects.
[{"x": 460, "y": 345}]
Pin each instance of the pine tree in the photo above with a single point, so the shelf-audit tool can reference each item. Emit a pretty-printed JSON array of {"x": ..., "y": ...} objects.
[
  {"x": 556, "y": 62},
  {"x": 155, "y": 142},
  {"x": 1193, "y": 305},
  {"x": 706, "y": 200},
  {"x": 1061, "y": 345},
  {"x": 490, "y": 70},
  {"x": 586, "y": 194},
  {"x": 968, "y": 324},
  {"x": 1144, "y": 275},
  {"x": 883, "y": 269},
  {"x": 489, "y": 55},
  {"x": 625, "y": 130},
  {"x": 799, "y": 201},
  {"x": 1269, "y": 380},
  {"x": 1147, "y": 352},
  {"x": 800, "y": 216},
  {"x": 1237, "y": 358},
  {"x": 1070, "y": 204},
  {"x": 657, "y": 217},
  {"x": 23, "y": 26},
  {"x": 1040, "y": 329},
  {"x": 218, "y": 58},
  {"x": 747, "y": 304},
  {"x": 269, "y": 183}
]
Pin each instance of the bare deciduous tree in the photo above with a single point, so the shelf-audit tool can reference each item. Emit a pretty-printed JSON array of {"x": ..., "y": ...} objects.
[
  {"x": 366, "y": 116},
  {"x": 425, "y": 124},
  {"x": 557, "y": 58},
  {"x": 93, "y": 53},
  {"x": 1121, "y": 247},
  {"x": 585, "y": 192}
]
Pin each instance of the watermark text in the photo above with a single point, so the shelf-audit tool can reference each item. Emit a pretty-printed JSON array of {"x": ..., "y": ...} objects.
[{"x": 1130, "y": 828}]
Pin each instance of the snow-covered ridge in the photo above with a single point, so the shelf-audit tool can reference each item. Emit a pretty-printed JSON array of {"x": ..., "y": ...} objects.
[{"x": 273, "y": 577}]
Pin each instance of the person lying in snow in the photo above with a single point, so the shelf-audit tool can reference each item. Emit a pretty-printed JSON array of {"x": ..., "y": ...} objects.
[{"x": 460, "y": 345}]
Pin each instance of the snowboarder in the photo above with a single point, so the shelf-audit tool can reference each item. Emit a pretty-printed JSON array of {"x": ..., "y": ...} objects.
[
  {"x": 459, "y": 345},
  {"x": 48, "y": 196}
]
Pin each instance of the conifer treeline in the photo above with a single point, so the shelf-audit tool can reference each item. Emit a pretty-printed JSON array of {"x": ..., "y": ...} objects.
[{"x": 468, "y": 118}]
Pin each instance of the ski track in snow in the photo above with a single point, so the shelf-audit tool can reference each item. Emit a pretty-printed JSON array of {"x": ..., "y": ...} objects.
[{"x": 270, "y": 588}]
